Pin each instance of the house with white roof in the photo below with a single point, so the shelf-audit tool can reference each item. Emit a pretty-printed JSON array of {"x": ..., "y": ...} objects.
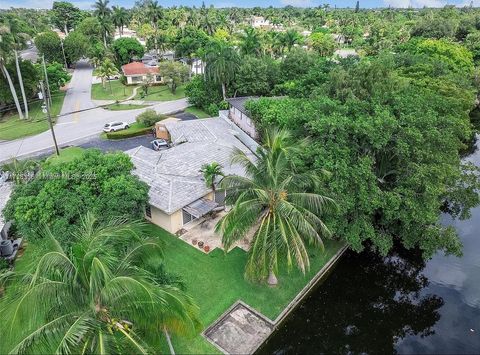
[{"x": 178, "y": 193}]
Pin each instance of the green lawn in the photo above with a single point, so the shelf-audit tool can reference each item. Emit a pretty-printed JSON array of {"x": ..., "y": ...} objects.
[
  {"x": 216, "y": 281},
  {"x": 118, "y": 91},
  {"x": 66, "y": 155},
  {"x": 12, "y": 127},
  {"x": 197, "y": 112},
  {"x": 123, "y": 107},
  {"x": 161, "y": 93}
]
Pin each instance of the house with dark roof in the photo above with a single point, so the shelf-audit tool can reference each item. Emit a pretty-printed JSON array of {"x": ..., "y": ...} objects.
[
  {"x": 137, "y": 73},
  {"x": 238, "y": 114}
]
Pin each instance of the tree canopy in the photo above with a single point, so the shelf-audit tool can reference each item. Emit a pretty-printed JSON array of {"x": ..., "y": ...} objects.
[{"x": 61, "y": 193}]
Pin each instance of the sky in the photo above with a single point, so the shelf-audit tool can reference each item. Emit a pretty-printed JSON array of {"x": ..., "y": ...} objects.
[{"x": 87, "y": 4}]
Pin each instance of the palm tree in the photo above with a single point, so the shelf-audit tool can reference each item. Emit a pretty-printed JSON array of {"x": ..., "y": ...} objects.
[
  {"x": 101, "y": 8},
  {"x": 210, "y": 173},
  {"x": 120, "y": 18},
  {"x": 290, "y": 38},
  {"x": 222, "y": 64},
  {"x": 103, "y": 13},
  {"x": 6, "y": 47},
  {"x": 154, "y": 14},
  {"x": 102, "y": 296},
  {"x": 271, "y": 203},
  {"x": 105, "y": 71},
  {"x": 250, "y": 44},
  {"x": 20, "y": 171}
]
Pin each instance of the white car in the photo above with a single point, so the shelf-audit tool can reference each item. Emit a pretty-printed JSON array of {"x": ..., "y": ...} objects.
[
  {"x": 159, "y": 144},
  {"x": 115, "y": 126}
]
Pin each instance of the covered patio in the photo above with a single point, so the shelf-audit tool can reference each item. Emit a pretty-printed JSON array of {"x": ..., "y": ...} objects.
[{"x": 200, "y": 233}]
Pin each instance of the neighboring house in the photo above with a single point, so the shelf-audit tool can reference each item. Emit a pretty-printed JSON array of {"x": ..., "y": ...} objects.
[
  {"x": 60, "y": 34},
  {"x": 151, "y": 58},
  {"x": 259, "y": 22},
  {"x": 345, "y": 53},
  {"x": 306, "y": 33},
  {"x": 239, "y": 115},
  {"x": 5, "y": 192},
  {"x": 339, "y": 38},
  {"x": 178, "y": 193},
  {"x": 129, "y": 34},
  {"x": 137, "y": 73}
]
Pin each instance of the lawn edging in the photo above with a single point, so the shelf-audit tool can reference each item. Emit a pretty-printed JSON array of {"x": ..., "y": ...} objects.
[{"x": 321, "y": 274}]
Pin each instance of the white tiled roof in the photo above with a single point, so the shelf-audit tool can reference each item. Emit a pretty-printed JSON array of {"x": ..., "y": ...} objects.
[{"x": 174, "y": 174}]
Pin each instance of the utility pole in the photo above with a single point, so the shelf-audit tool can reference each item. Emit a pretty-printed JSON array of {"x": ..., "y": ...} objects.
[
  {"x": 46, "y": 109},
  {"x": 20, "y": 79},
  {"x": 63, "y": 51},
  {"x": 49, "y": 99}
]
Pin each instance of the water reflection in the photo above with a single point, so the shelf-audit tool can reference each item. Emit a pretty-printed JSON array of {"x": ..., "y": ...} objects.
[
  {"x": 364, "y": 306},
  {"x": 398, "y": 304}
]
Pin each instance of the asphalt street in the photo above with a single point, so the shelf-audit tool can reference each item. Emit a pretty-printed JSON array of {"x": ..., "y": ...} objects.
[{"x": 78, "y": 126}]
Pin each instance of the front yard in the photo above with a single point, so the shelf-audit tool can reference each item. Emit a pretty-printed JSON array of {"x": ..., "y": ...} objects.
[
  {"x": 161, "y": 93},
  {"x": 12, "y": 127},
  {"x": 216, "y": 281},
  {"x": 117, "y": 92}
]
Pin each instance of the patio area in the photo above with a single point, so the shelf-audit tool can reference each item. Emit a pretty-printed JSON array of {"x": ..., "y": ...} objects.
[{"x": 200, "y": 234}]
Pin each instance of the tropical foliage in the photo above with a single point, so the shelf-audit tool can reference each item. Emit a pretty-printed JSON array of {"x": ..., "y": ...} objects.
[
  {"x": 59, "y": 194},
  {"x": 102, "y": 295},
  {"x": 277, "y": 206}
]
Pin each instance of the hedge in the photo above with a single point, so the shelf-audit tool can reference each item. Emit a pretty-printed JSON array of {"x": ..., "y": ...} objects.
[{"x": 135, "y": 130}]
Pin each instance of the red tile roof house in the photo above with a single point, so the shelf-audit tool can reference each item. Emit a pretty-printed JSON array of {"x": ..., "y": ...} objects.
[{"x": 136, "y": 73}]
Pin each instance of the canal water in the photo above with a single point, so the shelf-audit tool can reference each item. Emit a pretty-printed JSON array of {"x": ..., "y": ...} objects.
[{"x": 397, "y": 304}]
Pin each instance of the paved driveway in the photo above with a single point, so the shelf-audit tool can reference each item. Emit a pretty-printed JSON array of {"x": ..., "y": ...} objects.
[{"x": 78, "y": 126}]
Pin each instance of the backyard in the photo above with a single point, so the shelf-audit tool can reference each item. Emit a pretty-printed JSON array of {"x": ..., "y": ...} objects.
[
  {"x": 12, "y": 127},
  {"x": 216, "y": 281}
]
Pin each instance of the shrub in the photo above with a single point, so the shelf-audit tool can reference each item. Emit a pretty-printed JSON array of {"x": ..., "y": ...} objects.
[{"x": 149, "y": 117}]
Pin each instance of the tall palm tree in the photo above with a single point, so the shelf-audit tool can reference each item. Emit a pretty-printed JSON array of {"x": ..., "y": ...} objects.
[
  {"x": 222, "y": 64},
  {"x": 250, "y": 44},
  {"x": 119, "y": 18},
  {"x": 271, "y": 203},
  {"x": 103, "y": 13},
  {"x": 210, "y": 173},
  {"x": 105, "y": 71},
  {"x": 101, "y": 8},
  {"x": 154, "y": 14},
  {"x": 103, "y": 295},
  {"x": 6, "y": 48}
]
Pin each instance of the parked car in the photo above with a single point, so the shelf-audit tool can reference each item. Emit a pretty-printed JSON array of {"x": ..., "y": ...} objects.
[
  {"x": 115, "y": 126},
  {"x": 159, "y": 144}
]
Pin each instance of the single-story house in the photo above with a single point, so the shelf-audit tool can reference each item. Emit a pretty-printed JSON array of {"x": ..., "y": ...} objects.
[
  {"x": 178, "y": 193},
  {"x": 5, "y": 192},
  {"x": 239, "y": 115},
  {"x": 259, "y": 22},
  {"x": 345, "y": 53},
  {"x": 137, "y": 72}
]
